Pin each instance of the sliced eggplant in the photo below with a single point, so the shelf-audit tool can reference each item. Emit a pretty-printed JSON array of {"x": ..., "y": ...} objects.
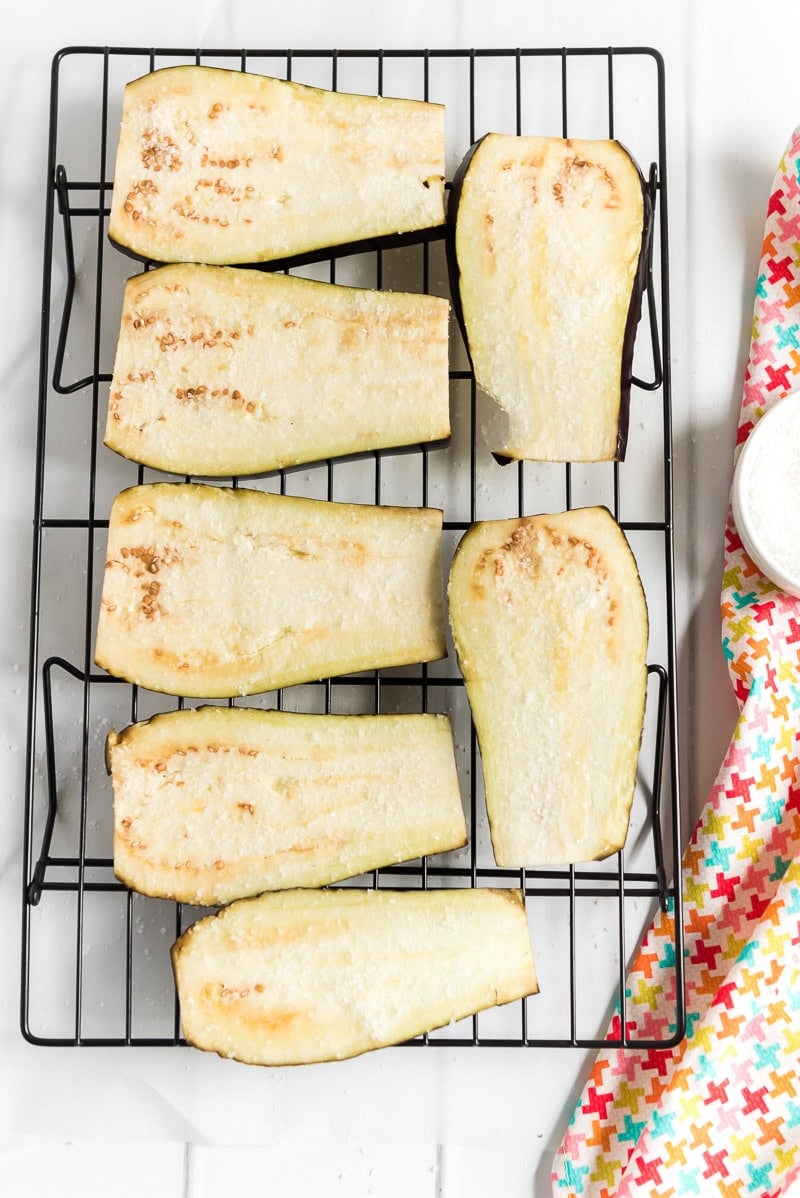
[
  {"x": 550, "y": 248},
  {"x": 218, "y": 803},
  {"x": 318, "y": 975},
  {"x": 216, "y": 591},
  {"x": 224, "y": 371},
  {"x": 222, "y": 166},
  {"x": 550, "y": 625}
]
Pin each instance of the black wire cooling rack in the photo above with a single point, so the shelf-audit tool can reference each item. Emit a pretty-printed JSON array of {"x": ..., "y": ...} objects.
[{"x": 95, "y": 956}]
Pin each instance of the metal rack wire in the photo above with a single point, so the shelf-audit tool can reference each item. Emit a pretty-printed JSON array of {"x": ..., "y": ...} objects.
[{"x": 95, "y": 961}]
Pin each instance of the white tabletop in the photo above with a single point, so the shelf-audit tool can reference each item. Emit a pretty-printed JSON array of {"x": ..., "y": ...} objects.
[{"x": 454, "y": 1122}]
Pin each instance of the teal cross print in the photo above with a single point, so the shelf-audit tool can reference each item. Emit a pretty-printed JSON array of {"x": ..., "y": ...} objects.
[{"x": 788, "y": 336}]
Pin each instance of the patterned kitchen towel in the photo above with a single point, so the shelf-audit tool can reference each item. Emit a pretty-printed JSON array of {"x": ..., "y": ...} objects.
[{"x": 720, "y": 1112}]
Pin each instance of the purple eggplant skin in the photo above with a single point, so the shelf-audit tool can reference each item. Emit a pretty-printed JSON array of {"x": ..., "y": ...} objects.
[
  {"x": 328, "y": 253},
  {"x": 634, "y": 308},
  {"x": 453, "y": 270}
]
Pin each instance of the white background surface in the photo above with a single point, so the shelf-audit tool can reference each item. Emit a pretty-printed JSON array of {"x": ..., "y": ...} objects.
[{"x": 463, "y": 1124}]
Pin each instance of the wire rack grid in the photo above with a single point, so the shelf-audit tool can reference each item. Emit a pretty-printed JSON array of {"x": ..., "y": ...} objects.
[{"x": 95, "y": 956}]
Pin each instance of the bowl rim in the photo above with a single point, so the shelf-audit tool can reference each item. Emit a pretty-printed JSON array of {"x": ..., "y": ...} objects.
[{"x": 775, "y": 570}]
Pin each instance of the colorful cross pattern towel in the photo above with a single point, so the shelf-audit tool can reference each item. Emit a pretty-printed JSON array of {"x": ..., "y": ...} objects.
[{"x": 720, "y": 1113}]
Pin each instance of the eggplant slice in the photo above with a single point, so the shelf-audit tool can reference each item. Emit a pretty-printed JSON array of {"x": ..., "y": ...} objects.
[
  {"x": 319, "y": 975},
  {"x": 550, "y": 625},
  {"x": 218, "y": 803},
  {"x": 218, "y": 591},
  {"x": 225, "y": 371},
  {"x": 550, "y": 247},
  {"x": 226, "y": 167}
]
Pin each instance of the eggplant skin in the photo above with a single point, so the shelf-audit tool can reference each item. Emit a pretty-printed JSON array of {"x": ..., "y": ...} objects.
[
  {"x": 227, "y": 167},
  {"x": 226, "y": 371},
  {"x": 215, "y": 803},
  {"x": 548, "y": 252},
  {"x": 550, "y": 626},
  {"x": 215, "y": 591},
  {"x": 320, "y": 975}
]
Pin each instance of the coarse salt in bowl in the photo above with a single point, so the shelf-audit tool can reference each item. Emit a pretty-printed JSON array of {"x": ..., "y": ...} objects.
[{"x": 766, "y": 494}]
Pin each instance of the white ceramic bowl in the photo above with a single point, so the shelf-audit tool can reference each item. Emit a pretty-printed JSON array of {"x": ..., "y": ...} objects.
[{"x": 766, "y": 494}]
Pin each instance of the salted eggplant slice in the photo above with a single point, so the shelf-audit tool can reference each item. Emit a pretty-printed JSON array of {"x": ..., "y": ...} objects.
[
  {"x": 550, "y": 241},
  {"x": 318, "y": 975},
  {"x": 219, "y": 591},
  {"x": 217, "y": 803},
  {"x": 225, "y": 371},
  {"x": 227, "y": 167},
  {"x": 550, "y": 626}
]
